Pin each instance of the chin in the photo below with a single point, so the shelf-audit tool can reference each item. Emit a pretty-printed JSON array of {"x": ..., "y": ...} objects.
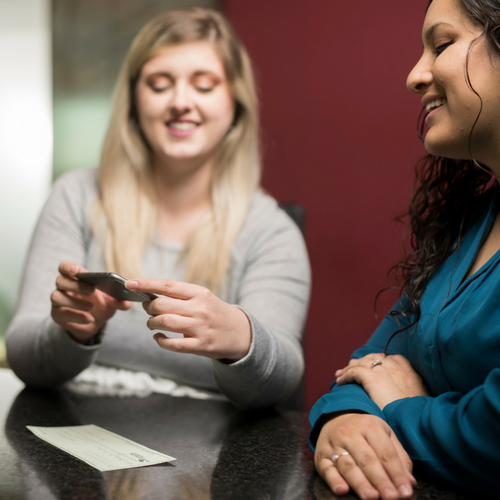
[
  {"x": 181, "y": 154},
  {"x": 445, "y": 150}
]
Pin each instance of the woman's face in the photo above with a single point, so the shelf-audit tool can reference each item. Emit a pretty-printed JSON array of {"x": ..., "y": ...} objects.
[
  {"x": 184, "y": 103},
  {"x": 440, "y": 77}
]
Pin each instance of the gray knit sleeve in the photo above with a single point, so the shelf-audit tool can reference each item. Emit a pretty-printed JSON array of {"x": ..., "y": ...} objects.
[
  {"x": 40, "y": 352},
  {"x": 273, "y": 291}
]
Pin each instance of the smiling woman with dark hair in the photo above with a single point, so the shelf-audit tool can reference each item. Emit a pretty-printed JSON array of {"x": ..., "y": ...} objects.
[{"x": 425, "y": 389}]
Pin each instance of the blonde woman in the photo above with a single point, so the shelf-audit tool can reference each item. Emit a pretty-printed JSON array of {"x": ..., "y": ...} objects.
[{"x": 176, "y": 198}]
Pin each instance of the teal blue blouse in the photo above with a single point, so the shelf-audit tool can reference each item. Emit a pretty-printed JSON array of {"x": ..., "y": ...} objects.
[{"x": 455, "y": 433}]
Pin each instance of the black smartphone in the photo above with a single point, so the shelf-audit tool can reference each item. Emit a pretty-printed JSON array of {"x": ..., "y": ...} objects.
[{"x": 114, "y": 285}]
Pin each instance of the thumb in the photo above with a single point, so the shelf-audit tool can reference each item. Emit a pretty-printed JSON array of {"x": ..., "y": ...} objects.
[
  {"x": 112, "y": 303},
  {"x": 123, "y": 305},
  {"x": 69, "y": 268}
]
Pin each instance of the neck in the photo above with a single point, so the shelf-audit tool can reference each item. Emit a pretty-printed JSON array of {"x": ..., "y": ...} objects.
[
  {"x": 490, "y": 156},
  {"x": 183, "y": 185},
  {"x": 184, "y": 198}
]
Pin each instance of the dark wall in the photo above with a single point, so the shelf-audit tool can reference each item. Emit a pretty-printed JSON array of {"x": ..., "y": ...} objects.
[{"x": 339, "y": 135}]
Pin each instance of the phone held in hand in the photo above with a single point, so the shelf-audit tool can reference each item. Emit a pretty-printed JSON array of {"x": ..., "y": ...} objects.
[{"x": 114, "y": 285}]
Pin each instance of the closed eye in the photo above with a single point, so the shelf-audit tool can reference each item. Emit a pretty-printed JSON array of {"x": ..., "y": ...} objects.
[
  {"x": 204, "y": 89},
  {"x": 205, "y": 82},
  {"x": 440, "y": 48},
  {"x": 159, "y": 83}
]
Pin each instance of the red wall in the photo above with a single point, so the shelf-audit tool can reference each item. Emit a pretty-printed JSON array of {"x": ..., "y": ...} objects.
[{"x": 339, "y": 136}]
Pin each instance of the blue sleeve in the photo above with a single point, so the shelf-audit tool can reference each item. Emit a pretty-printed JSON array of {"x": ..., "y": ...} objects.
[
  {"x": 352, "y": 396},
  {"x": 453, "y": 436}
]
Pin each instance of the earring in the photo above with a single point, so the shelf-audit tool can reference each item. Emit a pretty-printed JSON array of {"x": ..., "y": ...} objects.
[{"x": 483, "y": 168}]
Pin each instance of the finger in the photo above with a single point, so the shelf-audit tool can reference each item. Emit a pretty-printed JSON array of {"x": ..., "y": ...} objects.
[
  {"x": 171, "y": 323},
  {"x": 113, "y": 303},
  {"x": 354, "y": 375},
  {"x": 184, "y": 345},
  {"x": 388, "y": 472},
  {"x": 167, "y": 305},
  {"x": 169, "y": 288},
  {"x": 63, "y": 315},
  {"x": 123, "y": 305},
  {"x": 405, "y": 459},
  {"x": 70, "y": 284},
  {"x": 353, "y": 362},
  {"x": 368, "y": 359},
  {"x": 61, "y": 299},
  {"x": 364, "y": 361},
  {"x": 341, "y": 371},
  {"x": 355, "y": 476},
  {"x": 363, "y": 470},
  {"x": 332, "y": 476},
  {"x": 70, "y": 268}
]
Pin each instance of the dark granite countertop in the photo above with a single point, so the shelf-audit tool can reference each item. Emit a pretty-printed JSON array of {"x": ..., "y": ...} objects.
[{"x": 222, "y": 453}]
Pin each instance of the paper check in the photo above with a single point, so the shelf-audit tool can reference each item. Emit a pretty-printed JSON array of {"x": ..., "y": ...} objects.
[{"x": 100, "y": 448}]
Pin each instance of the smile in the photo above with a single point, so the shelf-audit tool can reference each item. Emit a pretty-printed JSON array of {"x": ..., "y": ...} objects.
[
  {"x": 181, "y": 125},
  {"x": 436, "y": 103}
]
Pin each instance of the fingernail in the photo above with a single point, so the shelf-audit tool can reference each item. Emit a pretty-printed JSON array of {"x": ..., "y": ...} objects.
[
  {"x": 339, "y": 489},
  {"x": 404, "y": 490},
  {"x": 413, "y": 481},
  {"x": 131, "y": 284},
  {"x": 368, "y": 494},
  {"x": 389, "y": 493},
  {"x": 73, "y": 269}
]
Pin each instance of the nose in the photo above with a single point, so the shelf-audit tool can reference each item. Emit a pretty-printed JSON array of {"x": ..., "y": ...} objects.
[
  {"x": 181, "y": 101},
  {"x": 420, "y": 77}
]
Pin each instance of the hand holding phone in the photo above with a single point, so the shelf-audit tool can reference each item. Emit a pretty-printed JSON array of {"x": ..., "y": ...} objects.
[
  {"x": 79, "y": 307},
  {"x": 114, "y": 285}
]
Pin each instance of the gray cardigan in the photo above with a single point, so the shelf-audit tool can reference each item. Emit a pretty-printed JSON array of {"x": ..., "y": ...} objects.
[{"x": 268, "y": 278}]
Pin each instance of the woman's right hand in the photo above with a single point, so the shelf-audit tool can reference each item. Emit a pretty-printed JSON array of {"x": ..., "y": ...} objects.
[
  {"x": 376, "y": 465},
  {"x": 80, "y": 308}
]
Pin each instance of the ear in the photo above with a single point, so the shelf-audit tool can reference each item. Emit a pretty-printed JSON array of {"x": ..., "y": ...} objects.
[{"x": 238, "y": 110}]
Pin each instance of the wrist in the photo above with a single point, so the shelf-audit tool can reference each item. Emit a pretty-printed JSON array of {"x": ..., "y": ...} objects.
[
  {"x": 87, "y": 339},
  {"x": 331, "y": 419},
  {"x": 243, "y": 336}
]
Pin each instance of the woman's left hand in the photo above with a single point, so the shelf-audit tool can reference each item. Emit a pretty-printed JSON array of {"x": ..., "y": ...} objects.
[
  {"x": 211, "y": 327},
  {"x": 384, "y": 378}
]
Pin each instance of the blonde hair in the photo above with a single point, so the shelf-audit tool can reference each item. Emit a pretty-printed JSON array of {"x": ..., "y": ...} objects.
[{"x": 127, "y": 206}]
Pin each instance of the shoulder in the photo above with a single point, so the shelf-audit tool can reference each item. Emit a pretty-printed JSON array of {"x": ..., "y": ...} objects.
[
  {"x": 84, "y": 180},
  {"x": 267, "y": 222},
  {"x": 77, "y": 187},
  {"x": 73, "y": 195},
  {"x": 265, "y": 213}
]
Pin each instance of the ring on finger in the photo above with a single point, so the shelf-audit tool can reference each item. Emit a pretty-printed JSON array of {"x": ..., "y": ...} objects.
[
  {"x": 336, "y": 457},
  {"x": 375, "y": 363}
]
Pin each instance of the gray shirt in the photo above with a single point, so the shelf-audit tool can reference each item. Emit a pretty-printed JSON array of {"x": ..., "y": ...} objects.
[{"x": 268, "y": 278}]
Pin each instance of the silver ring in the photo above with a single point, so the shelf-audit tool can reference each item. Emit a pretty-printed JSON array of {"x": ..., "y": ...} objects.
[
  {"x": 375, "y": 363},
  {"x": 336, "y": 457}
]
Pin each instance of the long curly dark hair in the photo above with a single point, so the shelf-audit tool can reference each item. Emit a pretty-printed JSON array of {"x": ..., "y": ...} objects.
[{"x": 448, "y": 194}]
